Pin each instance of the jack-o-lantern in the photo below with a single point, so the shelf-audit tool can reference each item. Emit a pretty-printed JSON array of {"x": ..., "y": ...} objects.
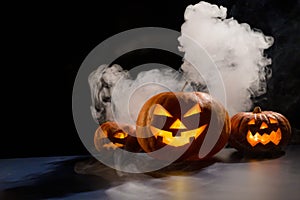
[
  {"x": 111, "y": 135},
  {"x": 178, "y": 122},
  {"x": 259, "y": 131}
]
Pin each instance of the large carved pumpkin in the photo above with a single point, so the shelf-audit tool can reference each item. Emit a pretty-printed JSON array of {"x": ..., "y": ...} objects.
[
  {"x": 259, "y": 131},
  {"x": 178, "y": 122},
  {"x": 111, "y": 135}
]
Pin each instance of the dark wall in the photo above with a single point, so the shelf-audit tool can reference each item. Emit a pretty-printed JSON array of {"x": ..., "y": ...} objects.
[{"x": 48, "y": 44}]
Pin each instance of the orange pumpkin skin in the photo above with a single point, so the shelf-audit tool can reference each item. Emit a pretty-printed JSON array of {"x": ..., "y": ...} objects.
[
  {"x": 182, "y": 119},
  {"x": 259, "y": 132},
  {"x": 111, "y": 135}
]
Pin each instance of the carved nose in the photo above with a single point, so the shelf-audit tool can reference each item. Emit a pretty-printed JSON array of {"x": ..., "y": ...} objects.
[{"x": 178, "y": 125}]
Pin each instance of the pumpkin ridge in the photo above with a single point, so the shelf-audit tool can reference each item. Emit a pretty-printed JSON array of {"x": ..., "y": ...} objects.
[{"x": 241, "y": 119}]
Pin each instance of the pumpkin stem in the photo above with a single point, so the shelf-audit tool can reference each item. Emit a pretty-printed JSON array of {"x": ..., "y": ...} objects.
[
  {"x": 184, "y": 86},
  {"x": 257, "y": 109}
]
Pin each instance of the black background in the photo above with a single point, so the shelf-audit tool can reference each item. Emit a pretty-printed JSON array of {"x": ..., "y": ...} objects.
[{"x": 46, "y": 44}]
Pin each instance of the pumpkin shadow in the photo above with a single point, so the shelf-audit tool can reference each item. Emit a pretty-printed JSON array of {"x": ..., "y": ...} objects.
[
  {"x": 60, "y": 181},
  {"x": 242, "y": 157}
]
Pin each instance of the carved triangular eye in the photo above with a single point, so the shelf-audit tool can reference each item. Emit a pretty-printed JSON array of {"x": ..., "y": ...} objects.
[
  {"x": 273, "y": 121},
  {"x": 251, "y": 122},
  {"x": 194, "y": 110},
  {"x": 159, "y": 110}
]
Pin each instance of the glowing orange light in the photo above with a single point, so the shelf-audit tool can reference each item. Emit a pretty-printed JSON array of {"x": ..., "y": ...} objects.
[
  {"x": 178, "y": 125},
  {"x": 273, "y": 121},
  {"x": 263, "y": 125},
  {"x": 114, "y": 146},
  {"x": 194, "y": 110},
  {"x": 251, "y": 122},
  {"x": 159, "y": 110},
  {"x": 120, "y": 135},
  {"x": 177, "y": 140},
  {"x": 264, "y": 139}
]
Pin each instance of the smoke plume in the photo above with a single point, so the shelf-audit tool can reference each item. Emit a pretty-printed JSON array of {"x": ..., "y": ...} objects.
[
  {"x": 118, "y": 96},
  {"x": 235, "y": 49},
  {"x": 101, "y": 82}
]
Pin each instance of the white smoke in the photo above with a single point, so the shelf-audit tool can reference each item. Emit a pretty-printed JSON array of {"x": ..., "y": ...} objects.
[
  {"x": 171, "y": 187},
  {"x": 101, "y": 82},
  {"x": 130, "y": 95},
  {"x": 116, "y": 96},
  {"x": 236, "y": 50}
]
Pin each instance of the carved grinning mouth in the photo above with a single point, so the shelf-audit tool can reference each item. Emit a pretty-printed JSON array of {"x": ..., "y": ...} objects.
[
  {"x": 264, "y": 139},
  {"x": 177, "y": 141}
]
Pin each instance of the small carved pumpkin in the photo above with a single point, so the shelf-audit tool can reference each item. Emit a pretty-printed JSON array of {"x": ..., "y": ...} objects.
[
  {"x": 179, "y": 122},
  {"x": 259, "y": 131},
  {"x": 111, "y": 135}
]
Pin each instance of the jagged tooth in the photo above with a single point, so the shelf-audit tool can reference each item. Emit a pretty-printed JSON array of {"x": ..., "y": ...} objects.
[
  {"x": 257, "y": 136},
  {"x": 277, "y": 136},
  {"x": 167, "y": 140},
  {"x": 176, "y": 141},
  {"x": 272, "y": 136},
  {"x": 189, "y": 134},
  {"x": 252, "y": 140},
  {"x": 265, "y": 139}
]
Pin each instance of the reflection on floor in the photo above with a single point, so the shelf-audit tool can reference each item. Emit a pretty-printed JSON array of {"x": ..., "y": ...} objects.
[{"x": 229, "y": 175}]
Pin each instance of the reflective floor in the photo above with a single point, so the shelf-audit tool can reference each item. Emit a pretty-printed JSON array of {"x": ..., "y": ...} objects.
[{"x": 228, "y": 176}]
